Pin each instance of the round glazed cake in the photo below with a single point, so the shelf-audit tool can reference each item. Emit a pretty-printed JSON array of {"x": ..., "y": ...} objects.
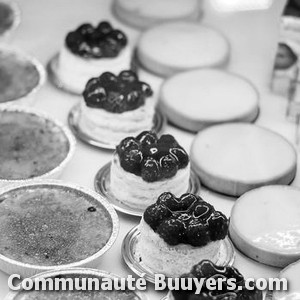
[
  {"x": 265, "y": 225},
  {"x": 144, "y": 14},
  {"x": 144, "y": 167},
  {"x": 207, "y": 270},
  {"x": 89, "y": 51},
  {"x": 174, "y": 47},
  {"x": 237, "y": 157},
  {"x": 196, "y": 99},
  {"x": 116, "y": 106}
]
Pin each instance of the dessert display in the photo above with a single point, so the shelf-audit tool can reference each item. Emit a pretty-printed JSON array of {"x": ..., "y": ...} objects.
[
  {"x": 196, "y": 99},
  {"x": 9, "y": 17},
  {"x": 116, "y": 106},
  {"x": 265, "y": 225},
  {"x": 176, "y": 233},
  {"x": 32, "y": 146},
  {"x": 291, "y": 273},
  {"x": 144, "y": 14},
  {"x": 21, "y": 77},
  {"x": 151, "y": 165},
  {"x": 237, "y": 157},
  {"x": 208, "y": 270},
  {"x": 90, "y": 51},
  {"x": 50, "y": 225},
  {"x": 174, "y": 47},
  {"x": 286, "y": 70}
]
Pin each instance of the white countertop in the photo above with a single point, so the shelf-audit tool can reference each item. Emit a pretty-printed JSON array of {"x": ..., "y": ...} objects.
[{"x": 41, "y": 33}]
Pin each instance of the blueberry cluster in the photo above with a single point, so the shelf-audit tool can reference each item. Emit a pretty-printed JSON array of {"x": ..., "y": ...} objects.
[
  {"x": 206, "y": 269},
  {"x": 151, "y": 157},
  {"x": 116, "y": 94},
  {"x": 96, "y": 42},
  {"x": 187, "y": 220}
]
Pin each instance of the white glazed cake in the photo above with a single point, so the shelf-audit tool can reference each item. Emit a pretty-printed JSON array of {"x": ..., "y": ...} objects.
[
  {"x": 90, "y": 51},
  {"x": 196, "y": 99},
  {"x": 265, "y": 225},
  {"x": 174, "y": 47},
  {"x": 176, "y": 233},
  {"x": 144, "y": 167},
  {"x": 144, "y": 14},
  {"x": 114, "y": 107},
  {"x": 234, "y": 158}
]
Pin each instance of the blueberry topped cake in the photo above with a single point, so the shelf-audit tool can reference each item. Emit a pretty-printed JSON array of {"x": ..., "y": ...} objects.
[
  {"x": 208, "y": 270},
  {"x": 89, "y": 51},
  {"x": 145, "y": 166},
  {"x": 116, "y": 106},
  {"x": 178, "y": 232}
]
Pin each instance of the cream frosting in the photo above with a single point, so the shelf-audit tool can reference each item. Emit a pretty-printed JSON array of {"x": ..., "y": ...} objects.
[
  {"x": 135, "y": 192},
  {"x": 74, "y": 71},
  {"x": 172, "y": 261}
]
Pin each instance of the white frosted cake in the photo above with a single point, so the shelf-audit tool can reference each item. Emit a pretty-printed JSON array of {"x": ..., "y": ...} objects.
[
  {"x": 144, "y": 167},
  {"x": 176, "y": 233},
  {"x": 116, "y": 106},
  {"x": 88, "y": 52}
]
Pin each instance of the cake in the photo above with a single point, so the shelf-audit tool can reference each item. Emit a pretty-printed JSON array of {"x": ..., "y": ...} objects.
[
  {"x": 176, "y": 233},
  {"x": 32, "y": 146},
  {"x": 48, "y": 225},
  {"x": 197, "y": 99},
  {"x": 144, "y": 14},
  {"x": 265, "y": 225},
  {"x": 174, "y": 47},
  {"x": 88, "y": 52},
  {"x": 291, "y": 274},
  {"x": 116, "y": 106},
  {"x": 9, "y": 17},
  {"x": 21, "y": 77},
  {"x": 145, "y": 166},
  {"x": 234, "y": 158},
  {"x": 207, "y": 270}
]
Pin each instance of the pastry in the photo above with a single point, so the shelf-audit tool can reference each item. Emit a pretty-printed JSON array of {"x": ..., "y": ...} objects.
[
  {"x": 174, "y": 47},
  {"x": 20, "y": 77},
  {"x": 196, "y": 99},
  {"x": 116, "y": 106},
  {"x": 88, "y": 52},
  {"x": 207, "y": 270},
  {"x": 234, "y": 158},
  {"x": 265, "y": 225},
  {"x": 144, "y": 167},
  {"x": 74, "y": 273},
  {"x": 176, "y": 233},
  {"x": 9, "y": 17},
  {"x": 32, "y": 146},
  {"x": 49, "y": 225},
  {"x": 291, "y": 274},
  {"x": 144, "y": 14}
]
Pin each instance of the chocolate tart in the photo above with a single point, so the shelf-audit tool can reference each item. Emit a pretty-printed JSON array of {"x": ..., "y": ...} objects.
[
  {"x": 34, "y": 146},
  {"x": 65, "y": 295},
  {"x": 51, "y": 225},
  {"x": 21, "y": 76}
]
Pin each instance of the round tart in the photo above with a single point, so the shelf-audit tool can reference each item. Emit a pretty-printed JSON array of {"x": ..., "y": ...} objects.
[
  {"x": 178, "y": 46},
  {"x": 291, "y": 273},
  {"x": 33, "y": 146},
  {"x": 73, "y": 274},
  {"x": 237, "y": 157},
  {"x": 265, "y": 225},
  {"x": 9, "y": 17},
  {"x": 116, "y": 106},
  {"x": 144, "y": 14},
  {"x": 48, "y": 225},
  {"x": 207, "y": 270},
  {"x": 90, "y": 51},
  {"x": 196, "y": 99},
  {"x": 175, "y": 233},
  {"x": 21, "y": 76},
  {"x": 145, "y": 166}
]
